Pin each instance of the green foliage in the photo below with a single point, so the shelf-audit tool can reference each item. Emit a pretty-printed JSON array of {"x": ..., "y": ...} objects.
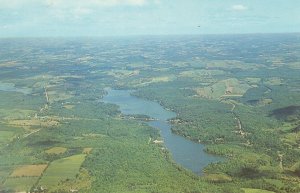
[{"x": 170, "y": 71}]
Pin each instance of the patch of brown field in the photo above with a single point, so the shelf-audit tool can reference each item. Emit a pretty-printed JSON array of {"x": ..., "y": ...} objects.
[
  {"x": 87, "y": 150},
  {"x": 267, "y": 101},
  {"x": 235, "y": 87},
  {"x": 123, "y": 73},
  {"x": 33, "y": 122},
  {"x": 56, "y": 150},
  {"x": 229, "y": 89},
  {"x": 218, "y": 178},
  {"x": 274, "y": 81},
  {"x": 204, "y": 92},
  {"x": 146, "y": 81},
  {"x": 69, "y": 106},
  {"x": 29, "y": 171},
  {"x": 92, "y": 135},
  {"x": 232, "y": 95}
]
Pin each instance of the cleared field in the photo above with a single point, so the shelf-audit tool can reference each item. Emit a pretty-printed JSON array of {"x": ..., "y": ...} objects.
[
  {"x": 275, "y": 81},
  {"x": 123, "y": 73},
  {"x": 15, "y": 113},
  {"x": 20, "y": 184},
  {"x": 5, "y": 136},
  {"x": 4, "y": 172},
  {"x": 58, "y": 95},
  {"x": 229, "y": 64},
  {"x": 56, "y": 150},
  {"x": 9, "y": 133},
  {"x": 92, "y": 135},
  {"x": 69, "y": 106},
  {"x": 87, "y": 150},
  {"x": 218, "y": 178},
  {"x": 223, "y": 88},
  {"x": 83, "y": 181},
  {"x": 158, "y": 79},
  {"x": 202, "y": 72},
  {"x": 249, "y": 190},
  {"x": 61, "y": 170},
  {"x": 33, "y": 122},
  {"x": 29, "y": 171}
]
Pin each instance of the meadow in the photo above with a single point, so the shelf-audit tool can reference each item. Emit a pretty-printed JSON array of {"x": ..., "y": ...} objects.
[{"x": 60, "y": 170}]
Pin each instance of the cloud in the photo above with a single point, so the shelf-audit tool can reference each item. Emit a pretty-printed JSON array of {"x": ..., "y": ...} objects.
[
  {"x": 16, "y": 4},
  {"x": 68, "y": 10},
  {"x": 82, "y": 11},
  {"x": 79, "y": 12},
  {"x": 97, "y": 3},
  {"x": 239, "y": 8},
  {"x": 10, "y": 4},
  {"x": 118, "y": 2}
]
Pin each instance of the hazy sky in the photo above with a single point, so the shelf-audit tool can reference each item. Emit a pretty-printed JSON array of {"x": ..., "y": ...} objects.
[{"x": 141, "y": 17}]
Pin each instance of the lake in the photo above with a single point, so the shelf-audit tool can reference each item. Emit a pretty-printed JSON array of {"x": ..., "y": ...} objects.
[{"x": 186, "y": 153}]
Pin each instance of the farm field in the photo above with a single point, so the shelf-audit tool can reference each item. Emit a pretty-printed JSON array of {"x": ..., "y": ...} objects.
[
  {"x": 29, "y": 171},
  {"x": 248, "y": 190},
  {"x": 61, "y": 170},
  {"x": 56, "y": 150},
  {"x": 20, "y": 184}
]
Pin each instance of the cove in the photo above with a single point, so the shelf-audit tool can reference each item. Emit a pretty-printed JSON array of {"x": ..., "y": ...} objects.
[{"x": 186, "y": 153}]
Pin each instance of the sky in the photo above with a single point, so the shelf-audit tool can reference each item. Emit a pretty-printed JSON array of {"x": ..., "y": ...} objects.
[{"x": 47, "y": 18}]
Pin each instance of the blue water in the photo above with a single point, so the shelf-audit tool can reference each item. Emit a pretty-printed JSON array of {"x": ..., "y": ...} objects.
[{"x": 186, "y": 153}]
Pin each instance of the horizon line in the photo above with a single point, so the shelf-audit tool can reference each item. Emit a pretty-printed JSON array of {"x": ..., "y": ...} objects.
[{"x": 148, "y": 35}]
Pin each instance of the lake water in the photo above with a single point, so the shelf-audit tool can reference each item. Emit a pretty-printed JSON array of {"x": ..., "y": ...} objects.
[{"x": 186, "y": 153}]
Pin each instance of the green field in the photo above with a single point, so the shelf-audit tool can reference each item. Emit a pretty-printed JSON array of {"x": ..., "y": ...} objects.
[
  {"x": 20, "y": 184},
  {"x": 61, "y": 170},
  {"x": 8, "y": 133},
  {"x": 6, "y": 136}
]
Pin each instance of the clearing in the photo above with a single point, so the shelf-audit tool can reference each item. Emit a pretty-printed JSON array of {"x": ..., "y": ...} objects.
[
  {"x": 61, "y": 170},
  {"x": 29, "y": 171},
  {"x": 56, "y": 150},
  {"x": 20, "y": 184},
  {"x": 250, "y": 190}
]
